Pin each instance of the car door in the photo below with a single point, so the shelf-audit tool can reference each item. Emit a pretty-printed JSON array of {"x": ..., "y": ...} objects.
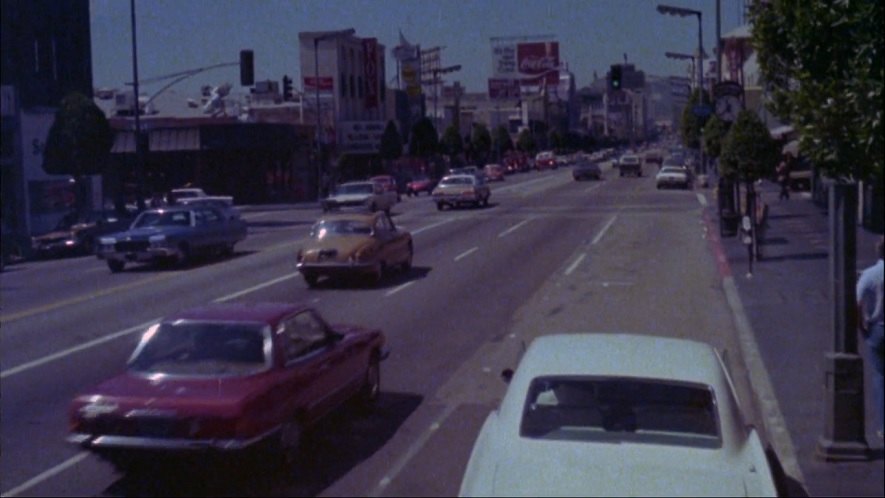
[
  {"x": 313, "y": 376},
  {"x": 386, "y": 237}
]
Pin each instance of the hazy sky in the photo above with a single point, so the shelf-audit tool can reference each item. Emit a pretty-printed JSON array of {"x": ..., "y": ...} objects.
[{"x": 177, "y": 35}]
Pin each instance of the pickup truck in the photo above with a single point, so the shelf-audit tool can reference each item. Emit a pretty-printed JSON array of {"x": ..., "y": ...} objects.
[
  {"x": 187, "y": 195},
  {"x": 175, "y": 234}
]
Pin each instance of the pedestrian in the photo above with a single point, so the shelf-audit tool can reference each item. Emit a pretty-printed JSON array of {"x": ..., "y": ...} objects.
[
  {"x": 870, "y": 324},
  {"x": 783, "y": 175}
]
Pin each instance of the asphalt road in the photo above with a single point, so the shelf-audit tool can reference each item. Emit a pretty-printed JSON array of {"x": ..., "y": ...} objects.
[{"x": 548, "y": 254}]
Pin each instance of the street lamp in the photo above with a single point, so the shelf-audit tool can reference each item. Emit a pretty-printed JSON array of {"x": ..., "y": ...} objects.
[
  {"x": 316, "y": 68},
  {"x": 435, "y": 81},
  {"x": 682, "y": 12}
]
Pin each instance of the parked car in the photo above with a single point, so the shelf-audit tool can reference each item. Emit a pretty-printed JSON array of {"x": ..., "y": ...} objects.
[
  {"x": 585, "y": 168},
  {"x": 186, "y": 195},
  {"x": 494, "y": 172},
  {"x": 354, "y": 244},
  {"x": 228, "y": 379},
  {"x": 590, "y": 414},
  {"x": 76, "y": 234},
  {"x": 545, "y": 160},
  {"x": 458, "y": 190},
  {"x": 630, "y": 164},
  {"x": 389, "y": 184},
  {"x": 420, "y": 184},
  {"x": 362, "y": 195},
  {"x": 672, "y": 176},
  {"x": 174, "y": 234}
]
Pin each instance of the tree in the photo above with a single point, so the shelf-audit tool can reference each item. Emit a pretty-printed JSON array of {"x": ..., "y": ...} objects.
[
  {"x": 79, "y": 142},
  {"x": 526, "y": 142},
  {"x": 482, "y": 143},
  {"x": 502, "y": 141},
  {"x": 451, "y": 142},
  {"x": 748, "y": 153},
  {"x": 555, "y": 139},
  {"x": 823, "y": 65},
  {"x": 425, "y": 140},
  {"x": 714, "y": 134},
  {"x": 391, "y": 143},
  {"x": 690, "y": 127}
]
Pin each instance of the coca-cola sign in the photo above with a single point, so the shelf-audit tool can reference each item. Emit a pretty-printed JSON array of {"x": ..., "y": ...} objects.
[{"x": 537, "y": 58}]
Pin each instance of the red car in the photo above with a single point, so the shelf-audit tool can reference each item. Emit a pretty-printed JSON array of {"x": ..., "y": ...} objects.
[
  {"x": 226, "y": 378},
  {"x": 389, "y": 183},
  {"x": 420, "y": 184}
]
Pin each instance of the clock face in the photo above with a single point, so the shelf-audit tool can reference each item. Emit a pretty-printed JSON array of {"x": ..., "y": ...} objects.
[{"x": 727, "y": 107}]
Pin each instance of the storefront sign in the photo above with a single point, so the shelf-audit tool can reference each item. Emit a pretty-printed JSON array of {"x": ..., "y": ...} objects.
[
  {"x": 370, "y": 67},
  {"x": 360, "y": 136}
]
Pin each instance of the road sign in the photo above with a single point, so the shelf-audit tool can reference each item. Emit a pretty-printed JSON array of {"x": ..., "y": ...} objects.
[{"x": 702, "y": 110}]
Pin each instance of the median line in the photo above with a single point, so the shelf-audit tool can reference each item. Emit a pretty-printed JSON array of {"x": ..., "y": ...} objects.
[
  {"x": 466, "y": 253},
  {"x": 514, "y": 228},
  {"x": 30, "y": 483},
  {"x": 398, "y": 288},
  {"x": 574, "y": 265},
  {"x": 604, "y": 229}
]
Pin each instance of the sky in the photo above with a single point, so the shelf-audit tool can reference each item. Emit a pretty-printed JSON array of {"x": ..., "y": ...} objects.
[{"x": 178, "y": 35}]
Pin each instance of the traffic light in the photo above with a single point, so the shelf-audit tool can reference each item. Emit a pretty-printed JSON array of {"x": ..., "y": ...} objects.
[
  {"x": 247, "y": 68},
  {"x": 615, "y": 78},
  {"x": 287, "y": 88}
]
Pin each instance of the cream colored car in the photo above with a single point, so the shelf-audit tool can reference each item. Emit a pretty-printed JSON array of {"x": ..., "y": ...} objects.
[{"x": 460, "y": 190}]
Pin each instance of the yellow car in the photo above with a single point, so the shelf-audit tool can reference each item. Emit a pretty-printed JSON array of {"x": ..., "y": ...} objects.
[{"x": 362, "y": 244}]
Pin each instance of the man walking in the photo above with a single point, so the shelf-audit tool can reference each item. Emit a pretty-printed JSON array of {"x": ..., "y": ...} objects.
[
  {"x": 870, "y": 323},
  {"x": 783, "y": 175}
]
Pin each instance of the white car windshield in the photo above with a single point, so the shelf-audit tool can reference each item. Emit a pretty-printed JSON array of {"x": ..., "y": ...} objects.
[
  {"x": 614, "y": 408},
  {"x": 162, "y": 218},
  {"x": 672, "y": 169},
  {"x": 330, "y": 228},
  {"x": 457, "y": 180},
  {"x": 201, "y": 349},
  {"x": 355, "y": 188}
]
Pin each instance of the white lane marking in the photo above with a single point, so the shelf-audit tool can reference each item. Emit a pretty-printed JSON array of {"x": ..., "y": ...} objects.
[
  {"x": 514, "y": 228},
  {"x": 66, "y": 352},
  {"x": 70, "y": 462},
  {"x": 591, "y": 189},
  {"x": 702, "y": 199},
  {"x": 428, "y": 227},
  {"x": 397, "y": 289},
  {"x": 574, "y": 265},
  {"x": 760, "y": 382},
  {"x": 466, "y": 253},
  {"x": 412, "y": 451},
  {"x": 604, "y": 229},
  {"x": 257, "y": 287}
]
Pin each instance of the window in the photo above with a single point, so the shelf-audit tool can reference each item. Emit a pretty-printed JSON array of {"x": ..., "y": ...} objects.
[
  {"x": 352, "y": 88},
  {"x": 303, "y": 334},
  {"x": 343, "y": 85},
  {"x": 360, "y": 86}
]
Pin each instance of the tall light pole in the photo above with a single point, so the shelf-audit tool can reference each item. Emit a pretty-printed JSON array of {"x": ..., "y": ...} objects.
[
  {"x": 682, "y": 12},
  {"x": 139, "y": 145},
  {"x": 316, "y": 82}
]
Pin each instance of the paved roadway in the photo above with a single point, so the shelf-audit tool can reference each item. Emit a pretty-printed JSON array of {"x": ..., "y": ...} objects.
[{"x": 548, "y": 254}]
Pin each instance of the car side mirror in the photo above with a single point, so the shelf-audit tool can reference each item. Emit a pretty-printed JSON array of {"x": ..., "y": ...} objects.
[{"x": 507, "y": 375}]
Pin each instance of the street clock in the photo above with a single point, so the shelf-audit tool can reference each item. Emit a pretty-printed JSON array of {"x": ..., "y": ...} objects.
[{"x": 727, "y": 96}]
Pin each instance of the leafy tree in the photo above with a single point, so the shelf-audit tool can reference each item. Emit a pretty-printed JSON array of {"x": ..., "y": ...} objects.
[
  {"x": 451, "y": 142},
  {"x": 482, "y": 142},
  {"x": 690, "y": 127},
  {"x": 526, "y": 142},
  {"x": 823, "y": 64},
  {"x": 555, "y": 139},
  {"x": 425, "y": 140},
  {"x": 502, "y": 140},
  {"x": 714, "y": 133},
  {"x": 748, "y": 153},
  {"x": 391, "y": 143},
  {"x": 79, "y": 142}
]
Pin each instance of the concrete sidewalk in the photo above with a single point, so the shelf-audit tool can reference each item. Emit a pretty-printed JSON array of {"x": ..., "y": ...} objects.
[{"x": 787, "y": 302}]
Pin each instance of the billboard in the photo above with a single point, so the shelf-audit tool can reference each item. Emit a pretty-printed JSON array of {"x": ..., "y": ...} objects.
[
  {"x": 360, "y": 137},
  {"x": 500, "y": 88},
  {"x": 528, "y": 61},
  {"x": 370, "y": 67},
  {"x": 326, "y": 84}
]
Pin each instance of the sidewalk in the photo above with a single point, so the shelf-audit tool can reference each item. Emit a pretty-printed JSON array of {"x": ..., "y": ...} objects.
[{"x": 787, "y": 302}]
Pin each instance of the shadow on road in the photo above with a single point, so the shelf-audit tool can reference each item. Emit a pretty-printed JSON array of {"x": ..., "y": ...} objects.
[{"x": 329, "y": 451}]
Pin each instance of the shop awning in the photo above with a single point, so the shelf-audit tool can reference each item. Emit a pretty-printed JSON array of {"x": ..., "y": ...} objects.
[
  {"x": 792, "y": 147},
  {"x": 162, "y": 140}
]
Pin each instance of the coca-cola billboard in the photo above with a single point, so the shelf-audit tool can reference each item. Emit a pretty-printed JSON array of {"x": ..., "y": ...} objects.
[{"x": 538, "y": 59}]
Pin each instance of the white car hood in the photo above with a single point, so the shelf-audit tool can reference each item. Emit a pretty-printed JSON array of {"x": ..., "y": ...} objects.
[
  {"x": 611, "y": 469},
  {"x": 349, "y": 197}
]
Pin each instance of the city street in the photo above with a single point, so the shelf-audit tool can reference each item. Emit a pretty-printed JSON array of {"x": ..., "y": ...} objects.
[{"x": 547, "y": 255}]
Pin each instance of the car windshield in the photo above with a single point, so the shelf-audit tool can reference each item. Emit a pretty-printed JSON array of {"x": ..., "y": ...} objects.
[
  {"x": 630, "y": 159},
  {"x": 202, "y": 349},
  {"x": 329, "y": 228},
  {"x": 457, "y": 180},
  {"x": 162, "y": 218},
  {"x": 617, "y": 408},
  {"x": 672, "y": 169},
  {"x": 355, "y": 188}
]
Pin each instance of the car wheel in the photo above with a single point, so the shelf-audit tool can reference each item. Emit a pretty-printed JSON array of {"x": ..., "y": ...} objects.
[
  {"x": 116, "y": 266},
  {"x": 289, "y": 443},
  {"x": 227, "y": 249},
  {"x": 184, "y": 255},
  {"x": 373, "y": 207},
  {"x": 440, "y": 206},
  {"x": 485, "y": 202},
  {"x": 371, "y": 390},
  {"x": 311, "y": 279}
]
